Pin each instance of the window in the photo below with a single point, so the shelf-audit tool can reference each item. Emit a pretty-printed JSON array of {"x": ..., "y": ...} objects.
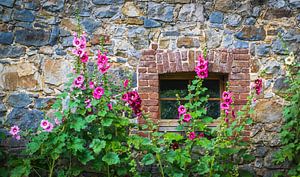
[{"x": 177, "y": 83}]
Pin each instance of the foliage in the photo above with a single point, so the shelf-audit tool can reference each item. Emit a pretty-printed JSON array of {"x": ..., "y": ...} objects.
[{"x": 290, "y": 131}]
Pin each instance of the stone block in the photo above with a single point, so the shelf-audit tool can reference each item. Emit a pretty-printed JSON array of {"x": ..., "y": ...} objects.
[
  {"x": 54, "y": 5},
  {"x": 33, "y": 37},
  {"x": 24, "y": 15},
  {"x": 295, "y": 3},
  {"x": 19, "y": 100},
  {"x": 163, "y": 12},
  {"x": 268, "y": 111},
  {"x": 251, "y": 33},
  {"x": 90, "y": 24},
  {"x": 191, "y": 12},
  {"x": 7, "y": 3},
  {"x": 216, "y": 17},
  {"x": 150, "y": 23},
  {"x": 55, "y": 71},
  {"x": 262, "y": 50},
  {"x": 233, "y": 20},
  {"x": 11, "y": 51},
  {"x": 107, "y": 2},
  {"x": 6, "y": 37},
  {"x": 131, "y": 10},
  {"x": 188, "y": 42}
]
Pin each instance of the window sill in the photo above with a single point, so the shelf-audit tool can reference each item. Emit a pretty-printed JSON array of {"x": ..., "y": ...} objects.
[{"x": 171, "y": 124}]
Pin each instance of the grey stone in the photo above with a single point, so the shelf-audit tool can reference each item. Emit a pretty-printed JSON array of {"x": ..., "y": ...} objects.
[
  {"x": 268, "y": 111},
  {"x": 216, "y": 25},
  {"x": 6, "y": 37},
  {"x": 272, "y": 67},
  {"x": 298, "y": 17},
  {"x": 90, "y": 24},
  {"x": 107, "y": 2},
  {"x": 67, "y": 41},
  {"x": 277, "y": 3},
  {"x": 191, "y": 12},
  {"x": 163, "y": 12},
  {"x": 5, "y": 15},
  {"x": 106, "y": 12},
  {"x": 64, "y": 33},
  {"x": 216, "y": 17},
  {"x": 149, "y": 23},
  {"x": 251, "y": 33},
  {"x": 278, "y": 48},
  {"x": 41, "y": 103},
  {"x": 227, "y": 41},
  {"x": 246, "y": 170},
  {"x": 171, "y": 33},
  {"x": 54, "y": 6},
  {"x": 24, "y": 15},
  {"x": 239, "y": 44},
  {"x": 32, "y": 5},
  {"x": 32, "y": 37},
  {"x": 24, "y": 118},
  {"x": 250, "y": 21},
  {"x": 295, "y": 3},
  {"x": 11, "y": 51},
  {"x": 272, "y": 173},
  {"x": 60, "y": 52},
  {"x": 256, "y": 11},
  {"x": 7, "y": 3},
  {"x": 214, "y": 38},
  {"x": 136, "y": 32},
  {"x": 290, "y": 35},
  {"x": 258, "y": 163},
  {"x": 54, "y": 35},
  {"x": 233, "y": 20},
  {"x": 280, "y": 86},
  {"x": 26, "y": 25},
  {"x": 121, "y": 60},
  {"x": 262, "y": 50},
  {"x": 19, "y": 100},
  {"x": 260, "y": 151}
]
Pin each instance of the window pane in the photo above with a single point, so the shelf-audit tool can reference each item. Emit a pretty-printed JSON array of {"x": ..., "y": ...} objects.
[
  {"x": 169, "y": 88},
  {"x": 213, "y": 87},
  {"x": 213, "y": 109},
  {"x": 169, "y": 109}
]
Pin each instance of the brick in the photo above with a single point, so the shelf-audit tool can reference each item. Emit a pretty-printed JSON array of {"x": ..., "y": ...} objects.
[
  {"x": 154, "y": 95},
  {"x": 145, "y": 89},
  {"x": 240, "y": 83},
  {"x": 243, "y": 95},
  {"x": 242, "y": 56},
  {"x": 146, "y": 76},
  {"x": 184, "y": 55},
  {"x": 240, "y": 102},
  {"x": 159, "y": 59},
  {"x": 153, "y": 108},
  {"x": 152, "y": 70},
  {"x": 171, "y": 56},
  {"x": 144, "y": 96},
  {"x": 239, "y": 76},
  {"x": 153, "y": 83},
  {"x": 185, "y": 67},
  {"x": 160, "y": 68},
  {"x": 142, "y": 70},
  {"x": 224, "y": 57},
  {"x": 148, "y": 52},
  {"x": 239, "y": 89},
  {"x": 192, "y": 60},
  {"x": 150, "y": 102},
  {"x": 178, "y": 61},
  {"x": 143, "y": 82},
  {"x": 147, "y": 64},
  {"x": 241, "y": 64},
  {"x": 154, "y": 46},
  {"x": 172, "y": 67},
  {"x": 240, "y": 51},
  {"x": 165, "y": 62}
]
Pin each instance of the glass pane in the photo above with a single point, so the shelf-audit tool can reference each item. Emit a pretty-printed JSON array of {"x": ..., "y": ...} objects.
[
  {"x": 169, "y": 88},
  {"x": 213, "y": 109},
  {"x": 213, "y": 87},
  {"x": 168, "y": 109}
]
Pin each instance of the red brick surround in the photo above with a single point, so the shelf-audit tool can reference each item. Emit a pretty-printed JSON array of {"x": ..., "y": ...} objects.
[{"x": 235, "y": 63}]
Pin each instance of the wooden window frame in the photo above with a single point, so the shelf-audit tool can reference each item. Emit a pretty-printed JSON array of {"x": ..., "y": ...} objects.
[{"x": 171, "y": 124}]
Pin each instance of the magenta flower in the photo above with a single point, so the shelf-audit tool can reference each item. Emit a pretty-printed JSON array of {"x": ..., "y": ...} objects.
[
  {"x": 201, "y": 135},
  {"x": 57, "y": 122},
  {"x": 125, "y": 97},
  {"x": 88, "y": 103},
  {"x": 233, "y": 114},
  {"x": 258, "y": 86},
  {"x": 78, "y": 81},
  {"x": 226, "y": 120},
  {"x": 98, "y": 92},
  {"x": 14, "y": 130},
  {"x": 226, "y": 95},
  {"x": 91, "y": 85},
  {"x": 181, "y": 110},
  {"x": 76, "y": 42},
  {"x": 202, "y": 74},
  {"x": 224, "y": 106},
  {"x": 125, "y": 84},
  {"x": 109, "y": 105},
  {"x": 133, "y": 95},
  {"x": 84, "y": 58},
  {"x": 49, "y": 128},
  {"x": 202, "y": 67},
  {"x": 78, "y": 52},
  {"x": 18, "y": 137},
  {"x": 186, "y": 117},
  {"x": 228, "y": 100},
  {"x": 192, "y": 135},
  {"x": 44, "y": 124},
  {"x": 102, "y": 63}
]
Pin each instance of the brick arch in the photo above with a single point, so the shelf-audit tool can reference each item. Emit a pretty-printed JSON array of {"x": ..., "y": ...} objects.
[{"x": 235, "y": 63}]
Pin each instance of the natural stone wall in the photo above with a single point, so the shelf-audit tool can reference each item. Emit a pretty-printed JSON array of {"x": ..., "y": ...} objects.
[{"x": 36, "y": 40}]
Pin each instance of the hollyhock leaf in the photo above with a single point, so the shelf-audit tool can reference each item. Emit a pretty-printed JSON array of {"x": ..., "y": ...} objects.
[
  {"x": 58, "y": 115},
  {"x": 94, "y": 102},
  {"x": 102, "y": 113},
  {"x": 97, "y": 145},
  {"x": 111, "y": 158},
  {"x": 77, "y": 144},
  {"x": 78, "y": 124},
  {"x": 173, "y": 136},
  {"x": 178, "y": 175},
  {"x": 22, "y": 170},
  {"x": 249, "y": 121},
  {"x": 148, "y": 159},
  {"x": 85, "y": 157},
  {"x": 207, "y": 120},
  {"x": 32, "y": 147},
  {"x": 107, "y": 122},
  {"x": 122, "y": 171},
  {"x": 90, "y": 118},
  {"x": 171, "y": 156}
]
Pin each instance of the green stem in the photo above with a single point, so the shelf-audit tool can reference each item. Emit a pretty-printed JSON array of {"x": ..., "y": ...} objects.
[
  {"x": 52, "y": 168},
  {"x": 160, "y": 165},
  {"x": 108, "y": 174}
]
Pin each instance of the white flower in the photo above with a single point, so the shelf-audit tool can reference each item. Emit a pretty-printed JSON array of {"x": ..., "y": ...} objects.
[{"x": 290, "y": 59}]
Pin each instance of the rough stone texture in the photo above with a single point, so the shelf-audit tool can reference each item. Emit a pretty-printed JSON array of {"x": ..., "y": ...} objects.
[
  {"x": 36, "y": 39},
  {"x": 19, "y": 100}
]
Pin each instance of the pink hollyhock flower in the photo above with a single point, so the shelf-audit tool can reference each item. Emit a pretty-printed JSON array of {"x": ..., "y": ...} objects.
[
  {"x": 125, "y": 84},
  {"x": 186, "y": 117},
  {"x": 84, "y": 58},
  {"x": 202, "y": 74},
  {"x": 18, "y": 137},
  {"x": 76, "y": 42},
  {"x": 103, "y": 68},
  {"x": 88, "y": 103},
  {"x": 49, "y": 128},
  {"x": 98, "y": 92},
  {"x": 192, "y": 135},
  {"x": 224, "y": 106},
  {"x": 44, "y": 124},
  {"x": 201, "y": 58},
  {"x": 201, "y": 135},
  {"x": 78, "y": 52},
  {"x": 226, "y": 95},
  {"x": 228, "y": 100},
  {"x": 258, "y": 86},
  {"x": 14, "y": 130},
  {"x": 109, "y": 105},
  {"x": 80, "y": 79},
  {"x": 133, "y": 96},
  {"x": 226, "y": 112},
  {"x": 226, "y": 120},
  {"x": 181, "y": 110},
  {"x": 91, "y": 85},
  {"x": 77, "y": 84},
  {"x": 57, "y": 122},
  {"x": 125, "y": 97}
]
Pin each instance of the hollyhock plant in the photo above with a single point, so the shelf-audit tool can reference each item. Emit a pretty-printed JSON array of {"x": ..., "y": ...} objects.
[
  {"x": 125, "y": 83},
  {"x": 49, "y": 128},
  {"x": 98, "y": 92},
  {"x": 181, "y": 110},
  {"x": 14, "y": 130},
  {"x": 258, "y": 86},
  {"x": 44, "y": 124},
  {"x": 134, "y": 100},
  {"x": 224, "y": 106},
  {"x": 125, "y": 97},
  {"x": 186, "y": 117},
  {"x": 192, "y": 135},
  {"x": 202, "y": 67},
  {"x": 109, "y": 105},
  {"x": 91, "y": 85},
  {"x": 102, "y": 63},
  {"x": 57, "y": 122},
  {"x": 84, "y": 58},
  {"x": 88, "y": 103}
]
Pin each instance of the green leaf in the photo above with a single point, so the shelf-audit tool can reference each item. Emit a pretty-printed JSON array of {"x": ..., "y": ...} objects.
[
  {"x": 90, "y": 118},
  {"x": 148, "y": 159},
  {"x": 102, "y": 113},
  {"x": 107, "y": 122},
  {"x": 173, "y": 136},
  {"x": 97, "y": 145},
  {"x": 171, "y": 156},
  {"x": 85, "y": 156},
  {"x": 78, "y": 124},
  {"x": 77, "y": 144},
  {"x": 111, "y": 158},
  {"x": 249, "y": 121}
]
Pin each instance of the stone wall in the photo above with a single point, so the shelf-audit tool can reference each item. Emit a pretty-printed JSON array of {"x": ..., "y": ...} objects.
[{"x": 36, "y": 40}]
